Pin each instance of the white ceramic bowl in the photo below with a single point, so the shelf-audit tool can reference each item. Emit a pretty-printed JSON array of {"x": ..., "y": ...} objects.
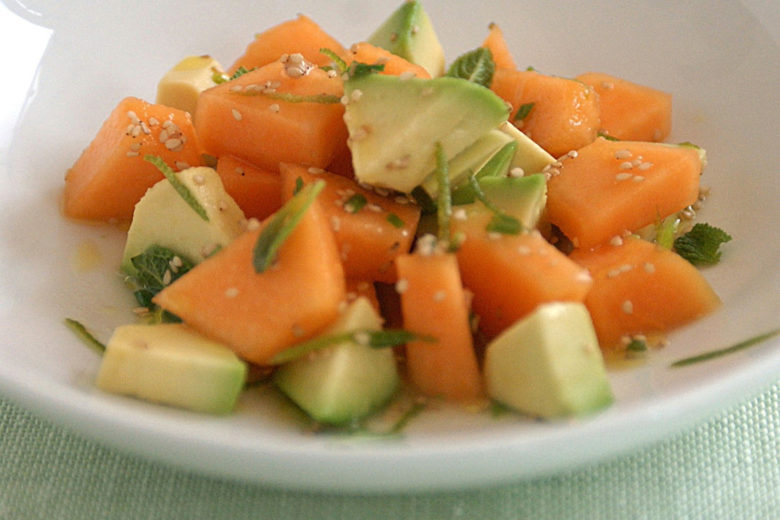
[{"x": 73, "y": 61}]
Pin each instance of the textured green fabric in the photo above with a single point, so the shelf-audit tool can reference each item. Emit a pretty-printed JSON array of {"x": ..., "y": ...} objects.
[{"x": 728, "y": 467}]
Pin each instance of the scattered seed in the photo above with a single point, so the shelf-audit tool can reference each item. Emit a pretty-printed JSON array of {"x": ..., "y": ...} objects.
[{"x": 236, "y": 114}]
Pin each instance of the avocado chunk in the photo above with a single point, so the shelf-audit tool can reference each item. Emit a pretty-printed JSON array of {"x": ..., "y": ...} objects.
[
  {"x": 409, "y": 33},
  {"x": 174, "y": 365},
  {"x": 530, "y": 157},
  {"x": 470, "y": 160},
  {"x": 181, "y": 86},
  {"x": 162, "y": 217},
  {"x": 521, "y": 197},
  {"x": 346, "y": 381},
  {"x": 549, "y": 364},
  {"x": 394, "y": 124}
]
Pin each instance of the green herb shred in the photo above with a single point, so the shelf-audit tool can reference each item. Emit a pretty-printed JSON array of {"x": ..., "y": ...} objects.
[
  {"x": 712, "y": 354},
  {"x": 443, "y": 197},
  {"x": 523, "y": 112},
  {"x": 355, "y": 203},
  {"x": 395, "y": 220},
  {"x": 181, "y": 188},
  {"x": 84, "y": 335},
  {"x": 281, "y": 225},
  {"x": 339, "y": 64}
]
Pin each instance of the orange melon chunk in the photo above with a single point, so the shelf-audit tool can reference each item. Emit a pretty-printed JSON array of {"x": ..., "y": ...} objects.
[
  {"x": 364, "y": 52},
  {"x": 565, "y": 113},
  {"x": 510, "y": 275},
  {"x": 611, "y": 188},
  {"x": 300, "y": 35},
  {"x": 257, "y": 192},
  {"x": 630, "y": 111},
  {"x": 370, "y": 238},
  {"x": 259, "y": 315},
  {"x": 640, "y": 288},
  {"x": 433, "y": 303},
  {"x": 236, "y": 118},
  {"x": 498, "y": 48},
  {"x": 111, "y": 175}
]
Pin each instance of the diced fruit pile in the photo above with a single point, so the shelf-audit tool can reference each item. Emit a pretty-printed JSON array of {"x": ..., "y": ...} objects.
[{"x": 348, "y": 219}]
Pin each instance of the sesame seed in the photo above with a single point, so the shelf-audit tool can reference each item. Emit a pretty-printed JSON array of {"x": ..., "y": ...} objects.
[
  {"x": 608, "y": 85},
  {"x": 168, "y": 124},
  {"x": 623, "y": 154},
  {"x": 649, "y": 268},
  {"x": 439, "y": 296},
  {"x": 645, "y": 166},
  {"x": 153, "y": 121},
  {"x": 136, "y": 130},
  {"x": 516, "y": 172},
  {"x": 315, "y": 171},
  {"x": 231, "y": 292},
  {"x": 344, "y": 100},
  {"x": 376, "y": 208},
  {"x": 623, "y": 176},
  {"x": 494, "y": 235},
  {"x": 132, "y": 154},
  {"x": 239, "y": 88},
  {"x": 252, "y": 224},
  {"x": 406, "y": 75},
  {"x": 274, "y": 108},
  {"x": 361, "y": 338},
  {"x": 145, "y": 128},
  {"x": 638, "y": 178},
  {"x": 401, "y": 285},
  {"x": 627, "y": 165},
  {"x": 163, "y": 136},
  {"x": 198, "y": 179},
  {"x": 236, "y": 114},
  {"x": 616, "y": 241},
  {"x": 133, "y": 116},
  {"x": 296, "y": 58},
  {"x": 335, "y": 223},
  {"x": 181, "y": 165},
  {"x": 176, "y": 261},
  {"x": 135, "y": 146},
  {"x": 173, "y": 143},
  {"x": 167, "y": 277},
  {"x": 356, "y": 95},
  {"x": 524, "y": 250},
  {"x": 460, "y": 214},
  {"x": 332, "y": 73},
  {"x": 627, "y": 307},
  {"x": 426, "y": 245},
  {"x": 572, "y": 154}
]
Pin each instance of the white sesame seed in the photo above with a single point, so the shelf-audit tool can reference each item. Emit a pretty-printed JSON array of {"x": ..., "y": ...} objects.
[
  {"x": 132, "y": 154},
  {"x": 649, "y": 268},
  {"x": 406, "y": 75},
  {"x": 133, "y": 117},
  {"x": 239, "y": 88},
  {"x": 516, "y": 172},
  {"x": 638, "y": 178},
  {"x": 274, "y": 108},
  {"x": 315, "y": 171},
  {"x": 335, "y": 223},
  {"x": 163, "y": 136},
  {"x": 361, "y": 338},
  {"x": 344, "y": 100},
  {"x": 572, "y": 154},
  {"x": 623, "y": 154},
  {"x": 172, "y": 144},
  {"x": 167, "y": 277},
  {"x": 623, "y": 176},
  {"x": 356, "y": 95},
  {"x": 136, "y": 131},
  {"x": 145, "y": 128},
  {"x": 460, "y": 214},
  {"x": 616, "y": 241},
  {"x": 181, "y": 165},
  {"x": 236, "y": 114},
  {"x": 627, "y": 165},
  {"x": 231, "y": 292},
  {"x": 645, "y": 166},
  {"x": 153, "y": 121},
  {"x": 401, "y": 285},
  {"x": 494, "y": 235},
  {"x": 296, "y": 58},
  {"x": 332, "y": 73},
  {"x": 252, "y": 224},
  {"x": 198, "y": 179},
  {"x": 524, "y": 250},
  {"x": 627, "y": 307},
  {"x": 439, "y": 296},
  {"x": 135, "y": 146},
  {"x": 376, "y": 208}
]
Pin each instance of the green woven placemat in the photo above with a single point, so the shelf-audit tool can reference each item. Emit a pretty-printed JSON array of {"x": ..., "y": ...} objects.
[{"x": 725, "y": 468}]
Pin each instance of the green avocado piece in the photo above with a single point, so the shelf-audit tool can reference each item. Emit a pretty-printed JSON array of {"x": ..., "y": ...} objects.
[
  {"x": 174, "y": 365},
  {"x": 394, "y": 124},
  {"x": 408, "y": 33},
  {"x": 162, "y": 217},
  {"x": 549, "y": 364},
  {"x": 346, "y": 381},
  {"x": 530, "y": 157},
  {"x": 521, "y": 197},
  {"x": 473, "y": 159}
]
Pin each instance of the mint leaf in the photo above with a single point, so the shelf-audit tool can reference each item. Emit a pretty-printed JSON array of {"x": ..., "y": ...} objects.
[
  {"x": 701, "y": 245},
  {"x": 476, "y": 66},
  {"x": 281, "y": 225},
  {"x": 523, "y": 111}
]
